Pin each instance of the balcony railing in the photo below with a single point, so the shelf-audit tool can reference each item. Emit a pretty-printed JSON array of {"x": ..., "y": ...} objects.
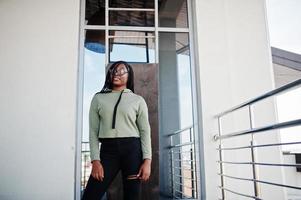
[
  {"x": 183, "y": 164},
  {"x": 252, "y": 147},
  {"x": 86, "y": 164}
]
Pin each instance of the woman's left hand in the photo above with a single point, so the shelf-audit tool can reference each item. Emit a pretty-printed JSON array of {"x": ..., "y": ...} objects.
[{"x": 145, "y": 170}]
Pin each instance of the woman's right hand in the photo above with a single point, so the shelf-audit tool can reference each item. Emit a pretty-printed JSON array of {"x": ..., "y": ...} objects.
[{"x": 97, "y": 170}]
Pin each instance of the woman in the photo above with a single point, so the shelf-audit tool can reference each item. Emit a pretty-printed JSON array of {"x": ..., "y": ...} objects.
[{"x": 118, "y": 119}]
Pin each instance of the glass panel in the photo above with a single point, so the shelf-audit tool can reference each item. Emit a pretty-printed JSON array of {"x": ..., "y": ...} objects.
[
  {"x": 132, "y": 46},
  {"x": 95, "y": 12},
  {"x": 95, "y": 41},
  {"x": 175, "y": 77},
  {"x": 132, "y": 18},
  {"x": 94, "y": 77},
  {"x": 173, "y": 13},
  {"x": 131, "y": 3}
]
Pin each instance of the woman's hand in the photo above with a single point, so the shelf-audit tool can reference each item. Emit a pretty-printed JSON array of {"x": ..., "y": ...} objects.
[
  {"x": 145, "y": 170},
  {"x": 97, "y": 170}
]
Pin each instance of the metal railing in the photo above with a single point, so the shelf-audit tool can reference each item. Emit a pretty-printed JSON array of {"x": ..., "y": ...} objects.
[
  {"x": 86, "y": 164},
  {"x": 183, "y": 164},
  {"x": 253, "y": 146}
]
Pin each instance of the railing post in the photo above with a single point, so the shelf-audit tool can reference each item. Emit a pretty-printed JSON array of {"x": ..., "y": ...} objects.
[
  {"x": 221, "y": 158},
  {"x": 172, "y": 168},
  {"x": 254, "y": 168},
  {"x": 172, "y": 173},
  {"x": 193, "y": 151}
]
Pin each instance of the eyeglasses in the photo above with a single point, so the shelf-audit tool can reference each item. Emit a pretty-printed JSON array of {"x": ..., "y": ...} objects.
[{"x": 120, "y": 72}]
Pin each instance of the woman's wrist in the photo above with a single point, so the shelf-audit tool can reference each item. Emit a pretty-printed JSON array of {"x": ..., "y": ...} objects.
[
  {"x": 147, "y": 160},
  {"x": 95, "y": 161}
]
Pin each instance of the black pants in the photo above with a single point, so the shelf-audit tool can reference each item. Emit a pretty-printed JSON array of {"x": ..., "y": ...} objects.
[{"x": 116, "y": 154}]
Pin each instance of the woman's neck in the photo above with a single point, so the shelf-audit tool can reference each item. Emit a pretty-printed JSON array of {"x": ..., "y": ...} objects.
[{"x": 119, "y": 88}]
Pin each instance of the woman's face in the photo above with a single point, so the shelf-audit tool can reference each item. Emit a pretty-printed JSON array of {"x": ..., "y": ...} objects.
[{"x": 120, "y": 75}]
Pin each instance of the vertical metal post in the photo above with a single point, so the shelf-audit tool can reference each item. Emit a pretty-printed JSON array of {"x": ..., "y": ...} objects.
[
  {"x": 194, "y": 164},
  {"x": 172, "y": 168},
  {"x": 254, "y": 169},
  {"x": 156, "y": 32},
  {"x": 106, "y": 32},
  {"x": 221, "y": 158}
]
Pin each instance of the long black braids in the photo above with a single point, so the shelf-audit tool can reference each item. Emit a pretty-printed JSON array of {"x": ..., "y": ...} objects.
[{"x": 108, "y": 85}]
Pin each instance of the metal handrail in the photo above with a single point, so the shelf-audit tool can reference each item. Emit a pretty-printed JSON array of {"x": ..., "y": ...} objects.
[
  {"x": 259, "y": 181},
  {"x": 253, "y": 146},
  {"x": 261, "y": 145},
  {"x": 179, "y": 131},
  {"x": 283, "y": 88},
  {"x": 286, "y": 124}
]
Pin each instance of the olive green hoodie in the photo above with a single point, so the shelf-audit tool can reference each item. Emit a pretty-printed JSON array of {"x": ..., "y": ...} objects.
[{"x": 119, "y": 114}]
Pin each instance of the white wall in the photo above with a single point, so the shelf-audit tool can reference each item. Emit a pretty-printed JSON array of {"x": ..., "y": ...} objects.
[
  {"x": 235, "y": 65},
  {"x": 38, "y": 72}
]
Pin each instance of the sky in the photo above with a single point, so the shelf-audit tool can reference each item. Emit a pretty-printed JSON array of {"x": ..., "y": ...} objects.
[{"x": 284, "y": 22}]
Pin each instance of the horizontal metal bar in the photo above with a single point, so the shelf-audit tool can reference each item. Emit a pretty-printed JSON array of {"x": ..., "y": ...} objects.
[
  {"x": 261, "y": 97},
  {"x": 174, "y": 30},
  {"x": 256, "y": 146},
  {"x": 132, "y": 9},
  {"x": 183, "y": 185},
  {"x": 130, "y": 36},
  {"x": 192, "y": 179},
  {"x": 181, "y": 168},
  {"x": 259, "y": 181},
  {"x": 182, "y": 152},
  {"x": 179, "y": 131},
  {"x": 180, "y": 145},
  {"x": 184, "y": 160},
  {"x": 136, "y": 28},
  {"x": 95, "y": 27},
  {"x": 261, "y": 129},
  {"x": 120, "y": 28},
  {"x": 256, "y": 163},
  {"x": 241, "y": 194}
]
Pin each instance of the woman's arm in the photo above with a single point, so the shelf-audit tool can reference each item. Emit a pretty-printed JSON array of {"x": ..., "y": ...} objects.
[
  {"x": 93, "y": 129},
  {"x": 144, "y": 129}
]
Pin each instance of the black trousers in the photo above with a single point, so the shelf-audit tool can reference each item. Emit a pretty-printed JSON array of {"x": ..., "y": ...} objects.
[{"x": 116, "y": 154}]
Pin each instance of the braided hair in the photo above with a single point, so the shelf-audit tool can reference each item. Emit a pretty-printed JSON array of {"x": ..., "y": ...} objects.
[{"x": 108, "y": 85}]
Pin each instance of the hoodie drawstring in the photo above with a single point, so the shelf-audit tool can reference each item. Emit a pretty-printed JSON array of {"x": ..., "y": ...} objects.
[{"x": 115, "y": 110}]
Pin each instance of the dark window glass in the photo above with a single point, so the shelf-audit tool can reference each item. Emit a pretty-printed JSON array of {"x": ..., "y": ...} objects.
[
  {"x": 132, "y": 18},
  {"x": 95, "y": 12},
  {"x": 131, "y": 3},
  {"x": 173, "y": 13}
]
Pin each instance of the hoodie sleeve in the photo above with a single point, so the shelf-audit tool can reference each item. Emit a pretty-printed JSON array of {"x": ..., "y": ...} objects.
[
  {"x": 93, "y": 130},
  {"x": 144, "y": 129}
]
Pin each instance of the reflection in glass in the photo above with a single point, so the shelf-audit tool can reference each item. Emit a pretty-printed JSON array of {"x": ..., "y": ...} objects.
[
  {"x": 132, "y": 18},
  {"x": 95, "y": 12},
  {"x": 95, "y": 41},
  {"x": 132, "y": 46},
  {"x": 173, "y": 13},
  {"x": 94, "y": 77},
  {"x": 131, "y": 4},
  {"x": 174, "y": 57}
]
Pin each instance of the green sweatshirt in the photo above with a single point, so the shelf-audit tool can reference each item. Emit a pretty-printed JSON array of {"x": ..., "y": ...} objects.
[{"x": 131, "y": 120}]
